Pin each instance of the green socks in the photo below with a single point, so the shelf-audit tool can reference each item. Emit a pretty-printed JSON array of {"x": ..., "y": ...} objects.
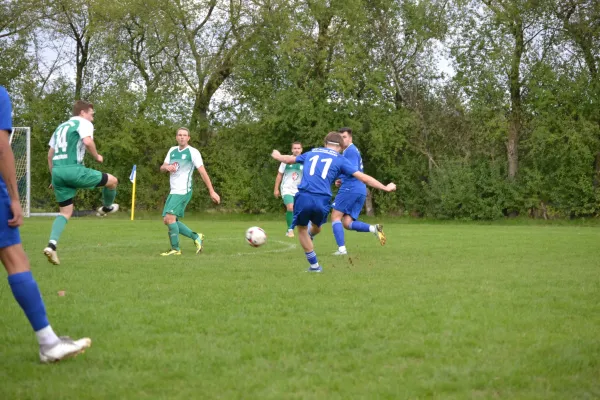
[
  {"x": 175, "y": 229},
  {"x": 57, "y": 228},
  {"x": 289, "y": 217},
  {"x": 174, "y": 236},
  {"x": 187, "y": 232},
  {"x": 108, "y": 196}
]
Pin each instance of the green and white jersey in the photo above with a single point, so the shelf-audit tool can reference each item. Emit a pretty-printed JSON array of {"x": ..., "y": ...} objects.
[
  {"x": 67, "y": 141},
  {"x": 292, "y": 176},
  {"x": 186, "y": 161}
]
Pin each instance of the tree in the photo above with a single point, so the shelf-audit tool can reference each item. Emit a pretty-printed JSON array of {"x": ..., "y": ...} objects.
[
  {"x": 18, "y": 20},
  {"x": 209, "y": 37},
  {"x": 581, "y": 23},
  {"x": 498, "y": 35},
  {"x": 76, "y": 21},
  {"x": 139, "y": 42}
]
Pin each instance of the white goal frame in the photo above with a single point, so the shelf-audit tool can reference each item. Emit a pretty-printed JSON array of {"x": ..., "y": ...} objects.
[
  {"x": 26, "y": 201},
  {"x": 26, "y": 197}
]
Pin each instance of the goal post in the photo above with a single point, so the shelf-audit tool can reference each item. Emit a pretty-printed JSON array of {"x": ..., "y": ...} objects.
[{"x": 20, "y": 141}]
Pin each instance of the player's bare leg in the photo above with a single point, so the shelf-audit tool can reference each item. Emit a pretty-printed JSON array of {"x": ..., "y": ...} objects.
[{"x": 307, "y": 245}]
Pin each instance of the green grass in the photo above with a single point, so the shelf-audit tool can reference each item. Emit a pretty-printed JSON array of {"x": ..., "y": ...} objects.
[{"x": 455, "y": 311}]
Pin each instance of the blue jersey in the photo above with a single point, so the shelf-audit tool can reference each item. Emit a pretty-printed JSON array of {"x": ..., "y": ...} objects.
[
  {"x": 350, "y": 183},
  {"x": 5, "y": 111},
  {"x": 8, "y": 236},
  {"x": 5, "y": 120},
  {"x": 322, "y": 166}
]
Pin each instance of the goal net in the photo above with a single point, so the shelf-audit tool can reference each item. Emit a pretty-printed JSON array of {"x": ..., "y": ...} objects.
[{"x": 20, "y": 141}]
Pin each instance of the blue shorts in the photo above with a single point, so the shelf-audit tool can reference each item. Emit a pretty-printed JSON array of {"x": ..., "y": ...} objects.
[
  {"x": 349, "y": 203},
  {"x": 8, "y": 236},
  {"x": 310, "y": 207}
]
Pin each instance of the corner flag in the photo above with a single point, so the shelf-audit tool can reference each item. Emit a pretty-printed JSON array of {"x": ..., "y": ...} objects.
[{"x": 132, "y": 179}]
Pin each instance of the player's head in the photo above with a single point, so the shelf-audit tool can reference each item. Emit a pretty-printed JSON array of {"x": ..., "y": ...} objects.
[
  {"x": 334, "y": 141},
  {"x": 346, "y": 135},
  {"x": 296, "y": 148},
  {"x": 84, "y": 109},
  {"x": 183, "y": 136}
]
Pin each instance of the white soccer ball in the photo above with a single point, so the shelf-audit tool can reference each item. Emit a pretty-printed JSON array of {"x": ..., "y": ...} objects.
[{"x": 256, "y": 236}]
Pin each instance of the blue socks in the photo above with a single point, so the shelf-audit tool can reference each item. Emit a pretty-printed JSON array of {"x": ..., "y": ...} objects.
[
  {"x": 312, "y": 259},
  {"x": 338, "y": 232},
  {"x": 359, "y": 226},
  {"x": 26, "y": 292}
]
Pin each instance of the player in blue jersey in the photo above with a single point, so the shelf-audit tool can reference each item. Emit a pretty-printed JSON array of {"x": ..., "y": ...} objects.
[
  {"x": 350, "y": 199},
  {"x": 13, "y": 257},
  {"x": 311, "y": 204}
]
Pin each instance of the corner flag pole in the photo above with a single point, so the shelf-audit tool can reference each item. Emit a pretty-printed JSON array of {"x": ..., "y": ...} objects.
[{"x": 132, "y": 179}]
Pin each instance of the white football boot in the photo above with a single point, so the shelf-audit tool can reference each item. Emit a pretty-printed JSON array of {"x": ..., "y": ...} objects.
[
  {"x": 64, "y": 348},
  {"x": 51, "y": 255},
  {"x": 113, "y": 209}
]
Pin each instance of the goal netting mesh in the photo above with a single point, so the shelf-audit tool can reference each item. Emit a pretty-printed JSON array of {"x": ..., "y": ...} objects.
[{"x": 20, "y": 141}]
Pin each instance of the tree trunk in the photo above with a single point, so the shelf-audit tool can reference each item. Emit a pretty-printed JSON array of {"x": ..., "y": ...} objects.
[
  {"x": 150, "y": 93},
  {"x": 78, "y": 81},
  {"x": 512, "y": 146},
  {"x": 83, "y": 45},
  {"x": 199, "y": 119},
  {"x": 514, "y": 77}
]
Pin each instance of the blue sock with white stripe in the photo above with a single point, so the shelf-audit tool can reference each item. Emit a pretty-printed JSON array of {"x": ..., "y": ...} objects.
[
  {"x": 311, "y": 256},
  {"x": 359, "y": 226},
  {"x": 338, "y": 233}
]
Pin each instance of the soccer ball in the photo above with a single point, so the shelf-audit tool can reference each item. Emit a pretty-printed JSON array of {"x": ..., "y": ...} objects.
[{"x": 256, "y": 236}]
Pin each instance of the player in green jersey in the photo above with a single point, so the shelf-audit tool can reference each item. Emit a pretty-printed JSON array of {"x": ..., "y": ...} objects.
[
  {"x": 180, "y": 162},
  {"x": 289, "y": 177},
  {"x": 65, "y": 158}
]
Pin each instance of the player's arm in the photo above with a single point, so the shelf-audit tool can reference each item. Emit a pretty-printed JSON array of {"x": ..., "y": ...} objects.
[
  {"x": 9, "y": 175},
  {"x": 91, "y": 148},
  {"x": 167, "y": 168},
  {"x": 50, "y": 157},
  {"x": 369, "y": 180},
  {"x": 166, "y": 165},
  {"x": 277, "y": 184},
  {"x": 278, "y": 179},
  {"x": 284, "y": 159},
  {"x": 7, "y": 166},
  {"x": 204, "y": 175},
  {"x": 7, "y": 160}
]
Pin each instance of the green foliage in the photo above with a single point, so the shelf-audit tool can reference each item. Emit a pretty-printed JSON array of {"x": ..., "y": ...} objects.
[
  {"x": 279, "y": 72},
  {"x": 457, "y": 190},
  {"x": 562, "y": 146}
]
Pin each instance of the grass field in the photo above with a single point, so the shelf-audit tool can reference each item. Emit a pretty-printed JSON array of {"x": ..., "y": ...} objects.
[{"x": 457, "y": 311}]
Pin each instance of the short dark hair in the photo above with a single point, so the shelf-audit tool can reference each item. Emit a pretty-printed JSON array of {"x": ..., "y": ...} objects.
[
  {"x": 81, "y": 105},
  {"x": 342, "y": 130},
  {"x": 296, "y": 142},
  {"x": 183, "y": 128},
  {"x": 334, "y": 138}
]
